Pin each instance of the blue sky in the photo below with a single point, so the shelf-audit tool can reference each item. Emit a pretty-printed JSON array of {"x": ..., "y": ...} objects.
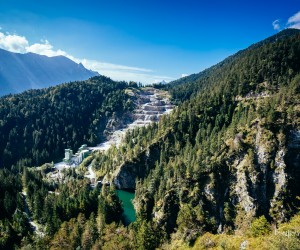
[{"x": 143, "y": 41}]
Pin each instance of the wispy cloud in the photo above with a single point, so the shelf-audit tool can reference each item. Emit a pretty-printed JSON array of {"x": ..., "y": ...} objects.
[
  {"x": 294, "y": 21},
  {"x": 110, "y": 66},
  {"x": 184, "y": 75},
  {"x": 276, "y": 24},
  {"x": 20, "y": 44}
]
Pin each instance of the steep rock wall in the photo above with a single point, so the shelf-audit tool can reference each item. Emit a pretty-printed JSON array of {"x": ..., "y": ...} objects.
[{"x": 126, "y": 175}]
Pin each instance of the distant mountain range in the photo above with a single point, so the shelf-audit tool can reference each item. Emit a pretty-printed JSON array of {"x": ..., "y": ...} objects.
[{"x": 19, "y": 72}]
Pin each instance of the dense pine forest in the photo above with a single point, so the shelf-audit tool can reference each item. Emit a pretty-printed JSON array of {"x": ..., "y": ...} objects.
[
  {"x": 228, "y": 154},
  {"x": 220, "y": 172},
  {"x": 37, "y": 125}
]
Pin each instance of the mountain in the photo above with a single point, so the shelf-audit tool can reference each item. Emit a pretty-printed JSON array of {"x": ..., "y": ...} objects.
[
  {"x": 227, "y": 157},
  {"x": 19, "y": 72},
  {"x": 244, "y": 61},
  {"x": 220, "y": 172}
]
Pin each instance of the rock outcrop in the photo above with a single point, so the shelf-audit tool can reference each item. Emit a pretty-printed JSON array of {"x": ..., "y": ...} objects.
[
  {"x": 258, "y": 176},
  {"x": 126, "y": 175},
  {"x": 151, "y": 105},
  {"x": 267, "y": 183}
]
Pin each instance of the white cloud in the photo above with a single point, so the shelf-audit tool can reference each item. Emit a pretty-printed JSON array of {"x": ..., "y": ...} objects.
[
  {"x": 184, "y": 75},
  {"x": 294, "y": 21},
  {"x": 45, "y": 48},
  {"x": 13, "y": 43},
  {"x": 20, "y": 44},
  {"x": 295, "y": 18},
  {"x": 276, "y": 24}
]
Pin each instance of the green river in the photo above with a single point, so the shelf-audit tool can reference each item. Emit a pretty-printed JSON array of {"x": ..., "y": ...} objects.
[{"x": 129, "y": 212}]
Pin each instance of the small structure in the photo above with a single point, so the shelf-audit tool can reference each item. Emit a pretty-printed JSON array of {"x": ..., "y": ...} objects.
[
  {"x": 83, "y": 147},
  {"x": 68, "y": 155},
  {"x": 77, "y": 158},
  {"x": 83, "y": 154}
]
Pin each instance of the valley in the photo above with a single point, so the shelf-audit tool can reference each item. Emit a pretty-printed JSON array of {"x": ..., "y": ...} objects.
[
  {"x": 220, "y": 170},
  {"x": 150, "y": 105}
]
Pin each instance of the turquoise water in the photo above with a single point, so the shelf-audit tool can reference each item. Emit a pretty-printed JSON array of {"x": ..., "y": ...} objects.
[{"x": 129, "y": 212}]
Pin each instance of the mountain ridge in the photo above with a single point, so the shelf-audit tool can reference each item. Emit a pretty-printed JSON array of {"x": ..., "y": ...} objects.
[
  {"x": 19, "y": 72},
  {"x": 194, "y": 78},
  {"x": 227, "y": 155}
]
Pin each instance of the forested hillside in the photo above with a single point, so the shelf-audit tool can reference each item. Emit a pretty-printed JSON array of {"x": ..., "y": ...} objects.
[
  {"x": 220, "y": 172},
  {"x": 275, "y": 59},
  {"x": 37, "y": 125},
  {"x": 228, "y": 154}
]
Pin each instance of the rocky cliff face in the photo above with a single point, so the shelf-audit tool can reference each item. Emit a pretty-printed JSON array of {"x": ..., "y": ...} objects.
[
  {"x": 151, "y": 104},
  {"x": 263, "y": 178},
  {"x": 126, "y": 175},
  {"x": 258, "y": 176}
]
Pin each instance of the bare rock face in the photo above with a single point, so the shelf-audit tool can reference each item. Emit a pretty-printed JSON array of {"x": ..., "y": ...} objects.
[
  {"x": 151, "y": 105},
  {"x": 267, "y": 180},
  {"x": 168, "y": 211},
  {"x": 259, "y": 177},
  {"x": 279, "y": 178},
  {"x": 244, "y": 198},
  {"x": 257, "y": 174},
  {"x": 126, "y": 175},
  {"x": 294, "y": 142},
  {"x": 116, "y": 123}
]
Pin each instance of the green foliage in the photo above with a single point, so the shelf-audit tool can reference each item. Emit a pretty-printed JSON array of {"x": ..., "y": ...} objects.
[
  {"x": 190, "y": 223},
  {"x": 186, "y": 166},
  {"x": 260, "y": 227},
  {"x": 188, "y": 185},
  {"x": 274, "y": 60},
  {"x": 286, "y": 236},
  {"x": 146, "y": 238},
  {"x": 13, "y": 223},
  {"x": 72, "y": 214},
  {"x": 37, "y": 125},
  {"x": 10, "y": 198},
  {"x": 110, "y": 205}
]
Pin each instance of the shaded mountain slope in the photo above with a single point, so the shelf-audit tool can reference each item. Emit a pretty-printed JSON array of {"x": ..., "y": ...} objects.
[{"x": 19, "y": 72}]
